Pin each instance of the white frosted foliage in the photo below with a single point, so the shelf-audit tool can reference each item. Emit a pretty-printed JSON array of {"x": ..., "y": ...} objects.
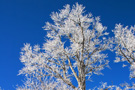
[
  {"x": 125, "y": 46},
  {"x": 73, "y": 49}
]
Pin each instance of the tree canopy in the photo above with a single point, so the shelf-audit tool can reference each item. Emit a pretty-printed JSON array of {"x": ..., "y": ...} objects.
[{"x": 75, "y": 48}]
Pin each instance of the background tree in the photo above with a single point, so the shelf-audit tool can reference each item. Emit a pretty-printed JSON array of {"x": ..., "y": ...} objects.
[
  {"x": 125, "y": 49},
  {"x": 124, "y": 42},
  {"x": 73, "y": 49}
]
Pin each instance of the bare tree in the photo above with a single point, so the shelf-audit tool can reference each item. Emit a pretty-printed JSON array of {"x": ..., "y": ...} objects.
[{"x": 73, "y": 49}]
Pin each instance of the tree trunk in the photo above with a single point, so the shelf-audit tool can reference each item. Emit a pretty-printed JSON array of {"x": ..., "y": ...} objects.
[{"x": 82, "y": 84}]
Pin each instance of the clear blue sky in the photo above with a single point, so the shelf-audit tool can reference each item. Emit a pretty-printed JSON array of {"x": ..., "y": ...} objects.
[{"x": 21, "y": 21}]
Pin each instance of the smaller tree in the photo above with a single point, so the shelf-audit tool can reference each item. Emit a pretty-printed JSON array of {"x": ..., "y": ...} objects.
[
  {"x": 125, "y": 46},
  {"x": 124, "y": 42}
]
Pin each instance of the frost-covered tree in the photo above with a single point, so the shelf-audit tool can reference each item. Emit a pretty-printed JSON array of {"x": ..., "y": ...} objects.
[
  {"x": 125, "y": 46},
  {"x": 124, "y": 41},
  {"x": 74, "y": 49}
]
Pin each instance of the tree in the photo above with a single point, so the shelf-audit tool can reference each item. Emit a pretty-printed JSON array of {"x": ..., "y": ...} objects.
[
  {"x": 74, "y": 49},
  {"x": 125, "y": 49},
  {"x": 124, "y": 42}
]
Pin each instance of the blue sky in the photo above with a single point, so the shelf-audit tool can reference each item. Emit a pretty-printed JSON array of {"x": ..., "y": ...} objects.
[{"x": 21, "y": 21}]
